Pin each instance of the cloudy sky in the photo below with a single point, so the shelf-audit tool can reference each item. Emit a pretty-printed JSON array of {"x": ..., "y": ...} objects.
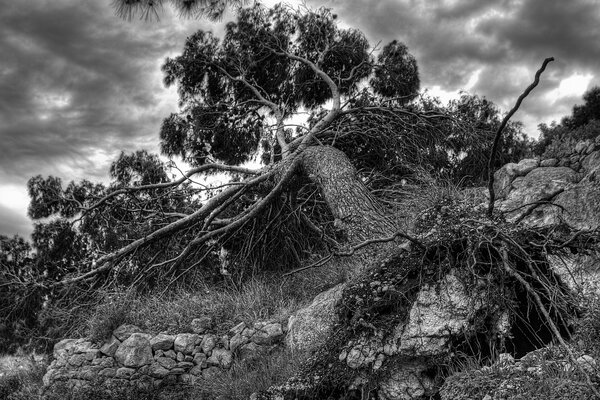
[{"x": 78, "y": 85}]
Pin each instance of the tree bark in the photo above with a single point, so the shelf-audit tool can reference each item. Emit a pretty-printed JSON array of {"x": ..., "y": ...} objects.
[{"x": 354, "y": 208}]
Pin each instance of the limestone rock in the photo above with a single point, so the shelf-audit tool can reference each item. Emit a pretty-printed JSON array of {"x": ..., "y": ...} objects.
[
  {"x": 437, "y": 315},
  {"x": 200, "y": 359},
  {"x": 541, "y": 184},
  {"x": 124, "y": 373},
  {"x": 162, "y": 341},
  {"x": 238, "y": 329},
  {"x": 267, "y": 334},
  {"x": 407, "y": 383},
  {"x": 185, "y": 342},
  {"x": 504, "y": 176},
  {"x": 310, "y": 327},
  {"x": 135, "y": 351},
  {"x": 237, "y": 341},
  {"x": 109, "y": 348},
  {"x": 208, "y": 343},
  {"x": 166, "y": 362},
  {"x": 550, "y": 162},
  {"x": 221, "y": 358},
  {"x": 64, "y": 347},
  {"x": 123, "y": 332},
  {"x": 201, "y": 325}
]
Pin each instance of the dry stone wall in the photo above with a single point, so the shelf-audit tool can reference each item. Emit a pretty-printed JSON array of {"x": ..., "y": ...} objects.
[
  {"x": 542, "y": 192},
  {"x": 148, "y": 361}
]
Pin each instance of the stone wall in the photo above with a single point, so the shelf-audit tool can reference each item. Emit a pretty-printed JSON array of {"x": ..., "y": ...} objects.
[
  {"x": 147, "y": 361},
  {"x": 546, "y": 192}
]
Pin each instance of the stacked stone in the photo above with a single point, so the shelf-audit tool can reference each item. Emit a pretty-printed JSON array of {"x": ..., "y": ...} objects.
[
  {"x": 552, "y": 191},
  {"x": 576, "y": 159},
  {"x": 147, "y": 361}
]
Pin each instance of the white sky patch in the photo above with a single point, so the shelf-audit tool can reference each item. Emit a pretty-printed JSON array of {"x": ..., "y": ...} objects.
[
  {"x": 51, "y": 101},
  {"x": 444, "y": 95},
  {"x": 572, "y": 86}
]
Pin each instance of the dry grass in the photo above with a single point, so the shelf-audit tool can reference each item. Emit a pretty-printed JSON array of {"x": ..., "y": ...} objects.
[{"x": 261, "y": 298}]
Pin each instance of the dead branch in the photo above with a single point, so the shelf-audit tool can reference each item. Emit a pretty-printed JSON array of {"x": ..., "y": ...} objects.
[{"x": 492, "y": 158}]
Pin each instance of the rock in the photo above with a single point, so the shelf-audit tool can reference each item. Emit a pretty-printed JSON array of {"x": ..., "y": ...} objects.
[
  {"x": 124, "y": 373},
  {"x": 224, "y": 342},
  {"x": 201, "y": 325},
  {"x": 238, "y": 329},
  {"x": 250, "y": 351},
  {"x": 581, "y": 146},
  {"x": 525, "y": 166},
  {"x": 166, "y": 362},
  {"x": 104, "y": 362},
  {"x": 406, "y": 383},
  {"x": 108, "y": 372},
  {"x": 171, "y": 354},
  {"x": 541, "y": 184},
  {"x": 196, "y": 371},
  {"x": 157, "y": 371},
  {"x": 188, "y": 379},
  {"x": 551, "y": 162},
  {"x": 221, "y": 358},
  {"x": 591, "y": 162},
  {"x": 109, "y": 348},
  {"x": 135, "y": 351},
  {"x": 184, "y": 365},
  {"x": 311, "y": 326},
  {"x": 436, "y": 316},
  {"x": 268, "y": 334},
  {"x": 180, "y": 357},
  {"x": 211, "y": 373},
  {"x": 208, "y": 343},
  {"x": 64, "y": 347},
  {"x": 123, "y": 332},
  {"x": 200, "y": 360},
  {"x": 587, "y": 363},
  {"x": 162, "y": 341},
  {"x": 185, "y": 342},
  {"x": 77, "y": 360},
  {"x": 237, "y": 341},
  {"x": 504, "y": 177}
]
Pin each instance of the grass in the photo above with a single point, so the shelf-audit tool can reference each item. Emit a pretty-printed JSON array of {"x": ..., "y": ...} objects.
[
  {"x": 261, "y": 298},
  {"x": 20, "y": 377}
]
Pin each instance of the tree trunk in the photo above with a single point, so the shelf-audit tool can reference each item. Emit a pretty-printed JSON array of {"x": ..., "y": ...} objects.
[{"x": 354, "y": 208}]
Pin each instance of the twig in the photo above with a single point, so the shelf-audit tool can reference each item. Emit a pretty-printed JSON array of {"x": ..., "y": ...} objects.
[
  {"x": 353, "y": 250},
  {"x": 492, "y": 158}
]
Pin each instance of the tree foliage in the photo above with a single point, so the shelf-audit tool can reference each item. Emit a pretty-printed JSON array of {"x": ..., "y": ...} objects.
[{"x": 558, "y": 139}]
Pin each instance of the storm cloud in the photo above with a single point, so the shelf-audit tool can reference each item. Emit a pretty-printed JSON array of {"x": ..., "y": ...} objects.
[{"x": 78, "y": 85}]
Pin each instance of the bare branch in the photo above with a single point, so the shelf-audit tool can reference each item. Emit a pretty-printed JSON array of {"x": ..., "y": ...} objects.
[
  {"x": 185, "y": 177},
  {"x": 492, "y": 158}
]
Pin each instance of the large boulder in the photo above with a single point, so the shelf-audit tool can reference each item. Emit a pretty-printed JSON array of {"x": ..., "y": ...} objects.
[
  {"x": 310, "y": 327},
  {"x": 135, "y": 351},
  {"x": 550, "y": 195}
]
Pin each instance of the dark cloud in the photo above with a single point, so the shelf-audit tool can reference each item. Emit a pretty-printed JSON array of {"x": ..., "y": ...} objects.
[
  {"x": 505, "y": 40},
  {"x": 77, "y": 86}
]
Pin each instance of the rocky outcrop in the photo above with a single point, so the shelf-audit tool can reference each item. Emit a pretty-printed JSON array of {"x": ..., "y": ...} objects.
[
  {"x": 146, "y": 361},
  {"x": 546, "y": 192},
  {"x": 545, "y": 373},
  {"x": 310, "y": 327}
]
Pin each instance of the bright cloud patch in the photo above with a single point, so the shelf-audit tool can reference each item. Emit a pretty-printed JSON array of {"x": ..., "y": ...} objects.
[{"x": 572, "y": 86}]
